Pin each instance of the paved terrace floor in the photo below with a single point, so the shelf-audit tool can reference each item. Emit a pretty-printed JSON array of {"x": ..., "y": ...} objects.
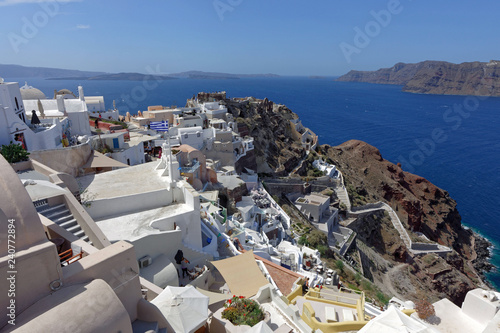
[
  {"x": 319, "y": 309},
  {"x": 131, "y": 226},
  {"x": 127, "y": 181}
]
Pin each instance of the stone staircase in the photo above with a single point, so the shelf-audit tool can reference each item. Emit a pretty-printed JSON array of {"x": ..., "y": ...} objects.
[
  {"x": 341, "y": 192},
  {"x": 140, "y": 326},
  {"x": 62, "y": 216}
]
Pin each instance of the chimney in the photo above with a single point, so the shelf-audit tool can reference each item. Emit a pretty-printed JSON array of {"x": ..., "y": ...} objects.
[
  {"x": 80, "y": 93},
  {"x": 60, "y": 104}
]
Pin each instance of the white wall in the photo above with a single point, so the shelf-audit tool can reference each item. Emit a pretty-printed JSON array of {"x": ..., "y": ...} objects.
[
  {"x": 134, "y": 155},
  {"x": 95, "y": 103},
  {"x": 167, "y": 223},
  {"x": 129, "y": 203},
  {"x": 79, "y": 123},
  {"x": 192, "y": 136},
  {"x": 192, "y": 235},
  {"x": 47, "y": 139},
  {"x": 11, "y": 113}
]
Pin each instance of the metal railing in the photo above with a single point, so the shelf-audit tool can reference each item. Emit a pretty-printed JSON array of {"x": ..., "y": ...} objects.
[{"x": 190, "y": 169}]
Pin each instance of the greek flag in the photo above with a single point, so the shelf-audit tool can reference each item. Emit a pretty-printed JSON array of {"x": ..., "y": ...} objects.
[{"x": 160, "y": 126}]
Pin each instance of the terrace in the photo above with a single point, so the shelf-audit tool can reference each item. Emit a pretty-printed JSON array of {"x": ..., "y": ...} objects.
[{"x": 330, "y": 310}]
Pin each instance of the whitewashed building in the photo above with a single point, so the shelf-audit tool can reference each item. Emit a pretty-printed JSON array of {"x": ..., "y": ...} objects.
[{"x": 16, "y": 127}]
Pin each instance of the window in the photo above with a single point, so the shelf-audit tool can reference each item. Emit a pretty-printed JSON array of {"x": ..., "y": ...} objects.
[
  {"x": 17, "y": 103},
  {"x": 185, "y": 136},
  {"x": 198, "y": 134}
]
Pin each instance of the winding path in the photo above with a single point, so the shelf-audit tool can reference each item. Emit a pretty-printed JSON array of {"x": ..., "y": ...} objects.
[{"x": 416, "y": 248}]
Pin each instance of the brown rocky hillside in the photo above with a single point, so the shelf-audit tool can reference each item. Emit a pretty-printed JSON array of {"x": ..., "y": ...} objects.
[{"x": 422, "y": 207}]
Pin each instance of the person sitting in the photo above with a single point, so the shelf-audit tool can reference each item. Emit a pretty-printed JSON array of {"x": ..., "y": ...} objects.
[{"x": 305, "y": 287}]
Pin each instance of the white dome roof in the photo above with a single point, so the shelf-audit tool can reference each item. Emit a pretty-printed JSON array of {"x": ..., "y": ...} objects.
[{"x": 28, "y": 92}]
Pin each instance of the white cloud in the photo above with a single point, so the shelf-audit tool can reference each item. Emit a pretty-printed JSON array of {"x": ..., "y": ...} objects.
[
  {"x": 83, "y": 26},
  {"x": 19, "y": 2}
]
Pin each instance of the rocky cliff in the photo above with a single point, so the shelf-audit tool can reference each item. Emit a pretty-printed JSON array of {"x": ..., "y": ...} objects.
[
  {"x": 277, "y": 152},
  {"x": 423, "y": 208},
  {"x": 436, "y": 77}
]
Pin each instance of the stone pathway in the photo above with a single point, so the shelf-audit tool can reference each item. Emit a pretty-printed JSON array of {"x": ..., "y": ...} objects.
[
  {"x": 396, "y": 222},
  {"x": 342, "y": 194}
]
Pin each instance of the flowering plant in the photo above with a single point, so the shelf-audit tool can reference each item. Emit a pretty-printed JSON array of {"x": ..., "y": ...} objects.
[{"x": 242, "y": 311}]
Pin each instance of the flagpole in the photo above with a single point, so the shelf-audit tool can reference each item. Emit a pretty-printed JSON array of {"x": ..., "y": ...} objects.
[
  {"x": 168, "y": 132},
  {"x": 170, "y": 171}
]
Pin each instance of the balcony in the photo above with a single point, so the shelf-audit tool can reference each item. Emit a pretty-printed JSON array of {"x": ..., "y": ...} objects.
[{"x": 190, "y": 168}]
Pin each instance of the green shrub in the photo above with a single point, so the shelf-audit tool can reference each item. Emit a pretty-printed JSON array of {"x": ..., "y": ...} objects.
[
  {"x": 366, "y": 285},
  {"x": 317, "y": 238},
  {"x": 339, "y": 264},
  {"x": 323, "y": 249},
  {"x": 14, "y": 153},
  {"x": 353, "y": 287},
  {"x": 382, "y": 297}
]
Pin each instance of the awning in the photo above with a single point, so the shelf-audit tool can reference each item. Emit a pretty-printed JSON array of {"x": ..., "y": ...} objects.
[
  {"x": 241, "y": 274},
  {"x": 98, "y": 160},
  {"x": 213, "y": 296}
]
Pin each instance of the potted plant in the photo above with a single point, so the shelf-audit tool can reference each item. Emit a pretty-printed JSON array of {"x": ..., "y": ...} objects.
[
  {"x": 243, "y": 311},
  {"x": 14, "y": 153}
]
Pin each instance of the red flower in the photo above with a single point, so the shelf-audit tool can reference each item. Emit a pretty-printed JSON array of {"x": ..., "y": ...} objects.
[
  {"x": 229, "y": 301},
  {"x": 234, "y": 295},
  {"x": 242, "y": 296}
]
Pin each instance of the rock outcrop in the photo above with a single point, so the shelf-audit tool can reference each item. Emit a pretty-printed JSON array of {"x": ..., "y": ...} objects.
[
  {"x": 422, "y": 208},
  {"x": 277, "y": 152},
  {"x": 436, "y": 77}
]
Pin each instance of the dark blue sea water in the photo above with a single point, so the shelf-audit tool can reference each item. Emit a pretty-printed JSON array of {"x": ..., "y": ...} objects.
[{"x": 454, "y": 141}]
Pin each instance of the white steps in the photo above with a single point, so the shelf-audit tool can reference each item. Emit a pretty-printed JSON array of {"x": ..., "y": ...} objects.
[{"x": 62, "y": 216}]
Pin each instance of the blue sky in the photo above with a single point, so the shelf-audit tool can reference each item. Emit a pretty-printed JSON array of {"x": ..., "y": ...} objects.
[{"x": 322, "y": 37}]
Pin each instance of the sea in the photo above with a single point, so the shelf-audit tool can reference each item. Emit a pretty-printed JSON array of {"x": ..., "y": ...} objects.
[{"x": 453, "y": 141}]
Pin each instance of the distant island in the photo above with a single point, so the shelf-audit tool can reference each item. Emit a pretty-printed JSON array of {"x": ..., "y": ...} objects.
[
  {"x": 119, "y": 77},
  {"x": 216, "y": 75},
  {"x": 436, "y": 77},
  {"x": 17, "y": 71}
]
